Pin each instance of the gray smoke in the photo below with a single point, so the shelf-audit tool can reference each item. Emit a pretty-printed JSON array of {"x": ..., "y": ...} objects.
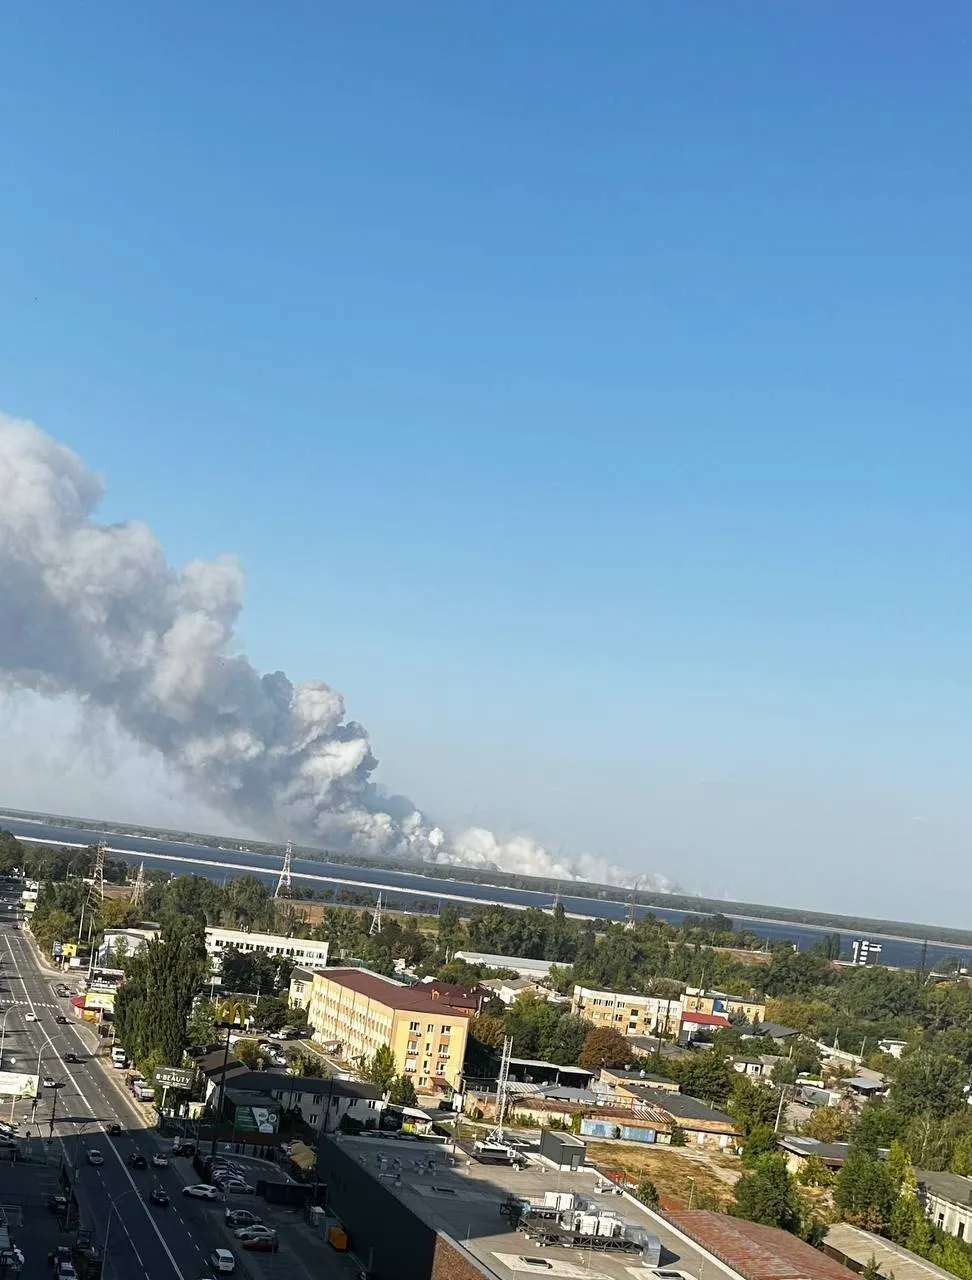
[{"x": 96, "y": 612}]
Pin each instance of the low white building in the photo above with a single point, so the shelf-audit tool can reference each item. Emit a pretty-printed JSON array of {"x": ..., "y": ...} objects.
[
  {"x": 127, "y": 942},
  {"x": 303, "y": 951},
  {"x": 522, "y": 965}
]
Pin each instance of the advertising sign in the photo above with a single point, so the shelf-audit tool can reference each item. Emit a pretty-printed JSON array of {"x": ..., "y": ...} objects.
[
  {"x": 173, "y": 1078},
  {"x": 14, "y": 1084},
  {"x": 57, "y": 950},
  {"x": 255, "y": 1118},
  {"x": 100, "y": 1000}
]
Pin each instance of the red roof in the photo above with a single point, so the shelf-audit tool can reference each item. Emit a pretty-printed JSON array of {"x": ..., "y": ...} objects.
[
  {"x": 754, "y": 1251},
  {"x": 394, "y": 995},
  {"x": 706, "y": 1019}
]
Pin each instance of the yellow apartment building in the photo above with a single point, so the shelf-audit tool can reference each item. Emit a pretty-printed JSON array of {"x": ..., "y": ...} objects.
[
  {"x": 363, "y": 1010},
  {"x": 698, "y": 1000},
  {"x": 631, "y": 1014}
]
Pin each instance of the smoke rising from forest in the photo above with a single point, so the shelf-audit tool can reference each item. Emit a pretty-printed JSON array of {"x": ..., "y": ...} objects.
[{"x": 95, "y": 611}]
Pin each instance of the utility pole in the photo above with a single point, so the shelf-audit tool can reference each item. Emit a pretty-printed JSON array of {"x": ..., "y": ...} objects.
[
  {"x": 376, "y": 919},
  {"x": 285, "y": 882}
]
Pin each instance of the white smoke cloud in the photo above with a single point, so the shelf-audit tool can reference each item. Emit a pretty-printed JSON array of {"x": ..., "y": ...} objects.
[{"x": 95, "y": 612}]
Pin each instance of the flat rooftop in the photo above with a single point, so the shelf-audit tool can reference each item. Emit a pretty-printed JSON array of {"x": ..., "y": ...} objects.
[{"x": 462, "y": 1200}]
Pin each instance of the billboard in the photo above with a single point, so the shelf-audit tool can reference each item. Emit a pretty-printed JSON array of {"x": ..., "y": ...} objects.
[
  {"x": 14, "y": 1084},
  {"x": 174, "y": 1078},
  {"x": 255, "y": 1118},
  {"x": 57, "y": 950},
  {"x": 100, "y": 1000}
]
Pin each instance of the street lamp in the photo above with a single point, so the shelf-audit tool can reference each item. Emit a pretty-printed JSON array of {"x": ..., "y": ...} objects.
[
  {"x": 235, "y": 1020},
  {"x": 3, "y": 1032}
]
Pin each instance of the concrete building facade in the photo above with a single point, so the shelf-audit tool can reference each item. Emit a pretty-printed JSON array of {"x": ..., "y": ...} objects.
[
  {"x": 630, "y": 1013},
  {"x": 362, "y": 1011},
  {"x": 303, "y": 951}
]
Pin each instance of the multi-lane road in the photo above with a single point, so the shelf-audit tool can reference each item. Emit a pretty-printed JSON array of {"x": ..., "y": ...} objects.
[{"x": 172, "y": 1243}]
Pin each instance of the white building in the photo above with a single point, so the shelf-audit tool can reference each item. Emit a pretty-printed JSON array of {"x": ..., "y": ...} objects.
[
  {"x": 303, "y": 951},
  {"x": 525, "y": 967},
  {"x": 123, "y": 941}
]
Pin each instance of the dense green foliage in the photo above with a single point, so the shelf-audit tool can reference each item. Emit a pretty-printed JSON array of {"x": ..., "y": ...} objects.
[{"x": 153, "y": 1005}]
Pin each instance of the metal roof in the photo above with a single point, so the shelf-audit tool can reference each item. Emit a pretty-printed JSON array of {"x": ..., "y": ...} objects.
[{"x": 756, "y": 1252}]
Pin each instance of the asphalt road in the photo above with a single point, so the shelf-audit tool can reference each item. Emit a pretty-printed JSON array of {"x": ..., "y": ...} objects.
[{"x": 161, "y": 1244}]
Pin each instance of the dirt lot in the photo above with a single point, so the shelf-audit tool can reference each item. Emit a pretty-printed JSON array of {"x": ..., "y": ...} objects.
[{"x": 673, "y": 1170}]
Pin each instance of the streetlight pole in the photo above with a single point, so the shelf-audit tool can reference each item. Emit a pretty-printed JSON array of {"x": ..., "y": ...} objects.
[
  {"x": 114, "y": 1209},
  {"x": 222, "y": 1088}
]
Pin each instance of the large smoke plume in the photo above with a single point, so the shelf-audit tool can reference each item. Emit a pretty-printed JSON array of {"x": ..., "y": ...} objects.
[{"x": 96, "y": 612}]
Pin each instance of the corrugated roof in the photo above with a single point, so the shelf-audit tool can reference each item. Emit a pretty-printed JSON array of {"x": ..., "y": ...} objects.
[
  {"x": 394, "y": 995},
  {"x": 861, "y": 1246},
  {"x": 679, "y": 1105},
  {"x": 754, "y": 1251}
]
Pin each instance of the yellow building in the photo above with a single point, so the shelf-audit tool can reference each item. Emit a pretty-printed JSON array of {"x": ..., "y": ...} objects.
[
  {"x": 698, "y": 1000},
  {"x": 362, "y": 1011},
  {"x": 630, "y": 1013}
]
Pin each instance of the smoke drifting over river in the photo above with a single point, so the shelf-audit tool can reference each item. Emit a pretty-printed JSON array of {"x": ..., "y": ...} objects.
[{"x": 95, "y": 611}]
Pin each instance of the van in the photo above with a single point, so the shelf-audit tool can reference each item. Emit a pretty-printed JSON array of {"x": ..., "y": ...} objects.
[
  {"x": 222, "y": 1261},
  {"x": 119, "y": 1057}
]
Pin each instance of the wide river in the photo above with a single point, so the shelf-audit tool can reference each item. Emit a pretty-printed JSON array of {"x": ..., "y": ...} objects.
[{"x": 415, "y": 891}]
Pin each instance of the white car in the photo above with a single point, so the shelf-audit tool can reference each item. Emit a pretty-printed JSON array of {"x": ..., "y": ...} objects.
[
  {"x": 255, "y": 1233},
  {"x": 160, "y": 1161},
  {"x": 201, "y": 1191},
  {"x": 30, "y": 1017},
  {"x": 235, "y": 1187},
  {"x": 223, "y": 1261}
]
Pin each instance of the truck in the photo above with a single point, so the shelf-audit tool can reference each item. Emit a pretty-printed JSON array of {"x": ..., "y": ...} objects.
[{"x": 119, "y": 1057}]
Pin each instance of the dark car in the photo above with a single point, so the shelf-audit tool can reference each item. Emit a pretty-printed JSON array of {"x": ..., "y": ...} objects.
[
  {"x": 57, "y": 1204},
  {"x": 113, "y": 1130},
  {"x": 262, "y": 1244},
  {"x": 61, "y": 1019},
  {"x": 71, "y": 1057},
  {"x": 159, "y": 1197},
  {"x": 137, "y": 1160},
  {"x": 185, "y": 1148}
]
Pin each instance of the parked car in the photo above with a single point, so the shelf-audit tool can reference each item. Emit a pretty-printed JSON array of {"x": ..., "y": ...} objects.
[
  {"x": 137, "y": 1161},
  {"x": 258, "y": 1232},
  {"x": 201, "y": 1191},
  {"x": 159, "y": 1197},
  {"x": 235, "y": 1187},
  {"x": 160, "y": 1160},
  {"x": 241, "y": 1218},
  {"x": 183, "y": 1147},
  {"x": 222, "y": 1261},
  {"x": 262, "y": 1244},
  {"x": 95, "y": 1157}
]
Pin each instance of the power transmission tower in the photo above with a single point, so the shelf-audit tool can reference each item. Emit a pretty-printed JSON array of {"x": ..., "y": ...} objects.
[
  {"x": 138, "y": 887},
  {"x": 376, "y": 919},
  {"x": 502, "y": 1082},
  {"x": 98, "y": 875},
  {"x": 285, "y": 883}
]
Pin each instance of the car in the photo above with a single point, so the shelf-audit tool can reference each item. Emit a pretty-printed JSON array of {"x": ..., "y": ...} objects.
[
  {"x": 66, "y": 1271},
  {"x": 201, "y": 1191},
  {"x": 183, "y": 1147},
  {"x": 137, "y": 1161},
  {"x": 57, "y": 1204},
  {"x": 50, "y": 1082},
  {"x": 262, "y": 1244},
  {"x": 30, "y": 1017},
  {"x": 95, "y": 1157},
  {"x": 267, "y": 1046},
  {"x": 219, "y": 1173},
  {"x": 241, "y": 1218},
  {"x": 222, "y": 1261},
  {"x": 160, "y": 1161},
  {"x": 159, "y": 1197},
  {"x": 71, "y": 1057},
  {"x": 256, "y": 1232},
  {"x": 113, "y": 1130},
  {"x": 61, "y": 1019},
  {"x": 234, "y": 1186}
]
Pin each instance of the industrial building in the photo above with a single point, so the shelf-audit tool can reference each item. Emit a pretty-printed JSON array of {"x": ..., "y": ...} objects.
[
  {"x": 303, "y": 951},
  {"x": 522, "y": 965},
  {"x": 360, "y": 1011}
]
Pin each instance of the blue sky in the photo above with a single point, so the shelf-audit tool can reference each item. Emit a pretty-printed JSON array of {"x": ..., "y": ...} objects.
[{"x": 584, "y": 388}]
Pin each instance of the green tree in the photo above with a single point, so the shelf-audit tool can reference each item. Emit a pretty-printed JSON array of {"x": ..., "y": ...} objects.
[
  {"x": 815, "y": 1174},
  {"x": 381, "y": 1069},
  {"x": 707, "y": 1076},
  {"x": 153, "y": 1005},
  {"x": 826, "y": 1124},
  {"x": 767, "y": 1194},
  {"x": 605, "y": 1047},
  {"x": 962, "y": 1154},
  {"x": 928, "y": 1083},
  {"x": 647, "y": 1193},
  {"x": 864, "y": 1193},
  {"x": 752, "y": 1104},
  {"x": 873, "y": 1271},
  {"x": 760, "y": 1141},
  {"x": 401, "y": 1092}
]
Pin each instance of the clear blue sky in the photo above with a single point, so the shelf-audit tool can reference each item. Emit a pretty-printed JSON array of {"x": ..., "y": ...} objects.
[{"x": 585, "y": 388}]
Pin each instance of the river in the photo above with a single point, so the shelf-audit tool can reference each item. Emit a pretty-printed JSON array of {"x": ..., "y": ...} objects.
[{"x": 406, "y": 889}]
